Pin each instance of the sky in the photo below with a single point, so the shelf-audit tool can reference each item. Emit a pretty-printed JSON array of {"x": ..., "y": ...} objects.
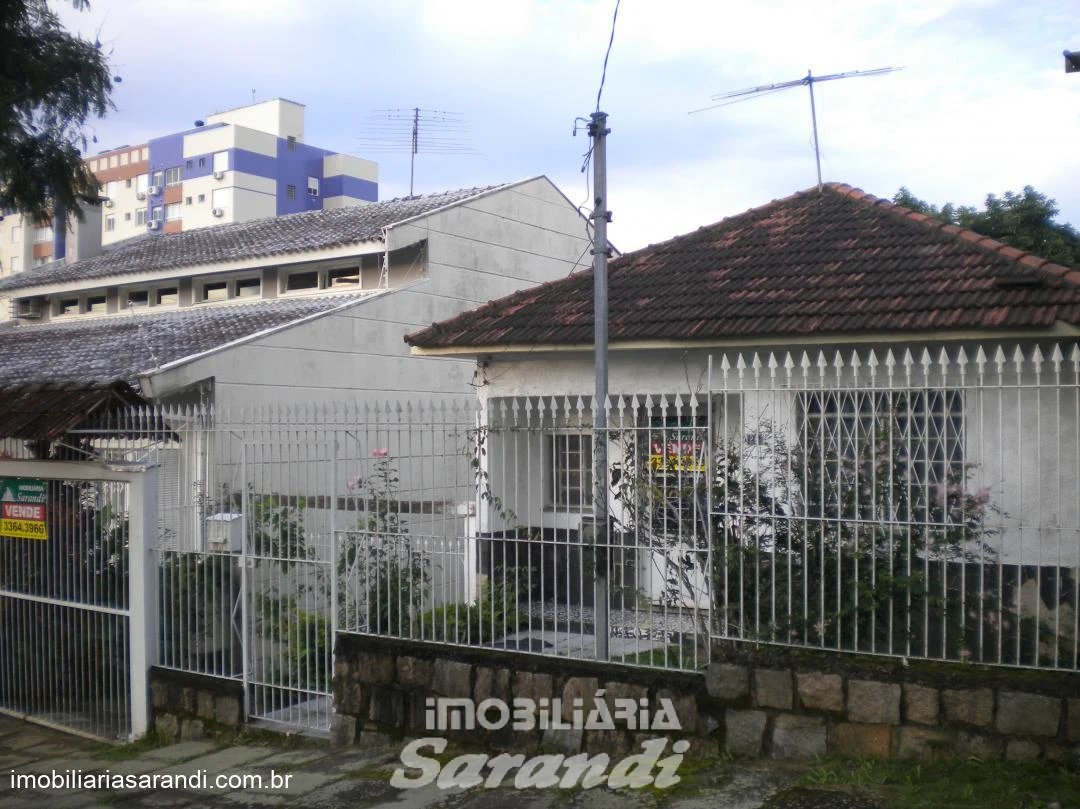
[{"x": 982, "y": 105}]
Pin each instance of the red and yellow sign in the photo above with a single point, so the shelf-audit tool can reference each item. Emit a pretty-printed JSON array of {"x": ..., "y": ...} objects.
[{"x": 22, "y": 509}]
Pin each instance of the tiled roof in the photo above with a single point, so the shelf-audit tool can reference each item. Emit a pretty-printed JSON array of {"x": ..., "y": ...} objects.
[
  {"x": 259, "y": 238},
  {"x": 835, "y": 262},
  {"x": 117, "y": 348}
]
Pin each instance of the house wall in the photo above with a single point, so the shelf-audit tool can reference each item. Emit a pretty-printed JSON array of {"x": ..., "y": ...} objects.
[{"x": 1021, "y": 444}]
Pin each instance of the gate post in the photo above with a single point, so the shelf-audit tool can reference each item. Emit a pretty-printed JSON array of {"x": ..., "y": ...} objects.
[{"x": 142, "y": 594}]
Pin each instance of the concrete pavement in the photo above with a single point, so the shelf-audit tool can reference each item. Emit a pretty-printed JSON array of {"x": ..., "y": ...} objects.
[{"x": 70, "y": 773}]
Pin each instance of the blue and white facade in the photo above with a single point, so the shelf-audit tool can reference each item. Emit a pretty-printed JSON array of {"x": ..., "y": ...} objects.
[{"x": 239, "y": 165}]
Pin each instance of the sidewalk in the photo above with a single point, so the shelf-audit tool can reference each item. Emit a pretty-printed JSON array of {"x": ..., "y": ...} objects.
[{"x": 324, "y": 777}]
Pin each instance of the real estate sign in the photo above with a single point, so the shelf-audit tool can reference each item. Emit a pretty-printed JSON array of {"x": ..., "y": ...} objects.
[{"x": 22, "y": 509}]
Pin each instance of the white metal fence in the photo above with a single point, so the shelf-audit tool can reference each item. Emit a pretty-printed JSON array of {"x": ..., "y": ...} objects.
[{"x": 917, "y": 503}]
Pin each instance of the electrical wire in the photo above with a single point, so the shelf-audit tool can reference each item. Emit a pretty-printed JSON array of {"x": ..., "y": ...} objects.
[{"x": 611, "y": 40}]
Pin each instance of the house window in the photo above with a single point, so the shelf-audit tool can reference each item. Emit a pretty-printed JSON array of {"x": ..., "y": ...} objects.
[
  {"x": 166, "y": 296},
  {"x": 110, "y": 223},
  {"x": 138, "y": 298},
  {"x": 140, "y": 216},
  {"x": 302, "y": 280},
  {"x": 881, "y": 455},
  {"x": 16, "y": 234},
  {"x": 68, "y": 306},
  {"x": 313, "y": 186},
  {"x": 290, "y": 192},
  {"x": 95, "y": 304},
  {"x": 215, "y": 291},
  {"x": 248, "y": 288},
  {"x": 172, "y": 176},
  {"x": 344, "y": 277},
  {"x": 221, "y": 161},
  {"x": 157, "y": 178},
  {"x": 570, "y": 467}
]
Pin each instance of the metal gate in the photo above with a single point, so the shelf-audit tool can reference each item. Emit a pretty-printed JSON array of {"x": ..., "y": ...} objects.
[
  {"x": 288, "y": 583},
  {"x": 72, "y": 561}
]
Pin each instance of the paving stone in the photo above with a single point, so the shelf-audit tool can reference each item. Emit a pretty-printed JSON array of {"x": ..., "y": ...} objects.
[
  {"x": 579, "y": 688},
  {"x": 727, "y": 681},
  {"x": 858, "y": 741},
  {"x": 744, "y": 732},
  {"x": 226, "y": 760},
  {"x": 801, "y": 737},
  {"x": 180, "y": 752},
  {"x": 1021, "y": 714},
  {"x": 921, "y": 743},
  {"x": 821, "y": 692},
  {"x": 451, "y": 678},
  {"x": 971, "y": 706},
  {"x": 772, "y": 688},
  {"x": 921, "y": 704},
  {"x": 1021, "y": 750},
  {"x": 871, "y": 702}
]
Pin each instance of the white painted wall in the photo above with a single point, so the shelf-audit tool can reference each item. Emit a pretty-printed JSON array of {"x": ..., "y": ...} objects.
[{"x": 278, "y": 116}]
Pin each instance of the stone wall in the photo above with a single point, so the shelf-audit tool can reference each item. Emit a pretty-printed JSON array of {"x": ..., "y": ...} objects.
[
  {"x": 192, "y": 706},
  {"x": 752, "y": 702}
]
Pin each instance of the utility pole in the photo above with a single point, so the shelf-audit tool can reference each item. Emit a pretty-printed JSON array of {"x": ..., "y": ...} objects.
[{"x": 598, "y": 131}]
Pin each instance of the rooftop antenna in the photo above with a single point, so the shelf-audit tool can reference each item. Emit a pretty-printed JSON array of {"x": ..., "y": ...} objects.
[
  {"x": 417, "y": 130},
  {"x": 809, "y": 80}
]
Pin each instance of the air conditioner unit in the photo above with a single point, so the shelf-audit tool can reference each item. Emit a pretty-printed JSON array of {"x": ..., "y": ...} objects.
[
  {"x": 140, "y": 195},
  {"x": 107, "y": 202},
  {"x": 27, "y": 308},
  {"x": 219, "y": 175},
  {"x": 153, "y": 224},
  {"x": 153, "y": 190},
  {"x": 218, "y": 211}
]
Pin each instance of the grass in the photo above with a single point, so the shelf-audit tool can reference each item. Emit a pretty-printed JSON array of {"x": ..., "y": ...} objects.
[{"x": 958, "y": 783}]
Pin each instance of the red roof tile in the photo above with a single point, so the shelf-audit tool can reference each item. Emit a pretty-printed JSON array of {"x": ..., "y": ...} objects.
[{"x": 837, "y": 262}]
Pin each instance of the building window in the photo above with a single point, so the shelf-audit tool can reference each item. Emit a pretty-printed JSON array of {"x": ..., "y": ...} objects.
[
  {"x": 313, "y": 186},
  {"x": 172, "y": 176},
  {"x": 157, "y": 213},
  {"x": 140, "y": 216},
  {"x": 215, "y": 291},
  {"x": 297, "y": 281},
  {"x": 127, "y": 183},
  {"x": 44, "y": 234},
  {"x": 570, "y": 466},
  {"x": 248, "y": 288},
  {"x": 95, "y": 304},
  {"x": 188, "y": 165},
  {"x": 202, "y": 197},
  {"x": 138, "y": 298},
  {"x": 202, "y": 162},
  {"x": 883, "y": 455},
  {"x": 344, "y": 277},
  {"x": 157, "y": 178},
  {"x": 187, "y": 200},
  {"x": 141, "y": 182},
  {"x": 290, "y": 192},
  {"x": 16, "y": 234},
  {"x": 290, "y": 142},
  {"x": 110, "y": 223},
  {"x": 68, "y": 306},
  {"x": 111, "y": 188},
  {"x": 166, "y": 296},
  {"x": 16, "y": 264},
  {"x": 221, "y": 161},
  {"x": 221, "y": 198},
  {"x": 127, "y": 216}
]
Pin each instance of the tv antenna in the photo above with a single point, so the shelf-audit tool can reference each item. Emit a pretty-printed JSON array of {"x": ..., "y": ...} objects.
[
  {"x": 417, "y": 130},
  {"x": 809, "y": 80}
]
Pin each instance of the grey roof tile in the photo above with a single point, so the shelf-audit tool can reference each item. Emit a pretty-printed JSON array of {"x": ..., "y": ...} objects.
[
  {"x": 118, "y": 348},
  {"x": 259, "y": 238}
]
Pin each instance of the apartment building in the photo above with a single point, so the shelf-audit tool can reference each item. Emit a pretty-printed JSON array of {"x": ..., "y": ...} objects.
[{"x": 234, "y": 166}]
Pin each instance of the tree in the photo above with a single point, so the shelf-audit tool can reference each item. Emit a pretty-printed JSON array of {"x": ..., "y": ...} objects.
[
  {"x": 51, "y": 82},
  {"x": 1025, "y": 221}
]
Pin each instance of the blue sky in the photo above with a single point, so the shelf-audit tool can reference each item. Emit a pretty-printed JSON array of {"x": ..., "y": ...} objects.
[{"x": 982, "y": 105}]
